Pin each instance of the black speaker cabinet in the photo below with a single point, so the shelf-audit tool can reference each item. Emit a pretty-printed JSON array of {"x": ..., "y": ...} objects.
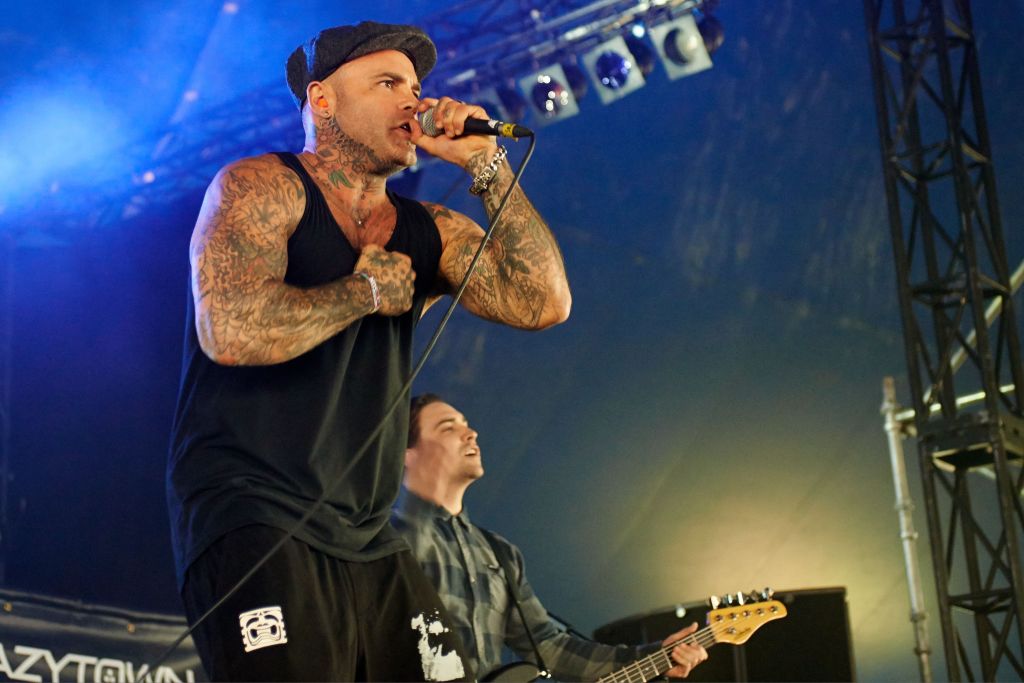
[{"x": 811, "y": 643}]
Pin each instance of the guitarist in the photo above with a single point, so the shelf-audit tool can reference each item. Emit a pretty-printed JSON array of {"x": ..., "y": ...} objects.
[{"x": 442, "y": 459}]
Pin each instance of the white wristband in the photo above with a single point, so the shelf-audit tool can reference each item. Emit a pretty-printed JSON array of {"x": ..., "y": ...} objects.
[{"x": 374, "y": 289}]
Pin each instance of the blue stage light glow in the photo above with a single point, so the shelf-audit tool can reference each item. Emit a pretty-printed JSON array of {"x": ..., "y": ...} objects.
[
  {"x": 47, "y": 132},
  {"x": 8, "y": 176},
  {"x": 110, "y": 77},
  {"x": 613, "y": 69}
]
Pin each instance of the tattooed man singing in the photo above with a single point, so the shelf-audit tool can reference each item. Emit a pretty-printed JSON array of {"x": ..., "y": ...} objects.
[{"x": 308, "y": 278}]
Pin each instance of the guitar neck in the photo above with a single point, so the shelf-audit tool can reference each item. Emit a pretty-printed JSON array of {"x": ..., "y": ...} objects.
[
  {"x": 733, "y": 624},
  {"x": 656, "y": 664}
]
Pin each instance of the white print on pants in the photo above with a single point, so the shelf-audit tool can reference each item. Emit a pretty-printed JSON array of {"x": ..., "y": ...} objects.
[{"x": 262, "y": 628}]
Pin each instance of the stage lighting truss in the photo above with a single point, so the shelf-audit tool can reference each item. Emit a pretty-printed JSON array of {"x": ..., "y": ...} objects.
[
  {"x": 681, "y": 46},
  {"x": 549, "y": 95},
  {"x": 562, "y": 46},
  {"x": 614, "y": 70},
  {"x": 486, "y": 47}
]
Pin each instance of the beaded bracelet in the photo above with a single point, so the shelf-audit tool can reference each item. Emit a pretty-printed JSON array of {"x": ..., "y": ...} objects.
[
  {"x": 486, "y": 175},
  {"x": 374, "y": 289}
]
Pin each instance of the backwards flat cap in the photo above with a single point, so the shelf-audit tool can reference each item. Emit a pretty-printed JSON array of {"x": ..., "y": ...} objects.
[{"x": 318, "y": 58}]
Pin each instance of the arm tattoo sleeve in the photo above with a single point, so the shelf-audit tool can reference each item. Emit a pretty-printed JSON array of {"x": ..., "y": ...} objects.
[
  {"x": 520, "y": 279},
  {"x": 245, "y": 313}
]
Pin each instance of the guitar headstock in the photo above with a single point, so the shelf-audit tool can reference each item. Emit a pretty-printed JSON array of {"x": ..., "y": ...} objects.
[{"x": 734, "y": 618}]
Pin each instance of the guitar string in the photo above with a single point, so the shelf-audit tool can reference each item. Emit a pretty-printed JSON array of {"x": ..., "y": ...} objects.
[{"x": 704, "y": 637}]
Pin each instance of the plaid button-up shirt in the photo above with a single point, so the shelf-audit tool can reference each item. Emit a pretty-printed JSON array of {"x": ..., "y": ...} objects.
[{"x": 456, "y": 556}]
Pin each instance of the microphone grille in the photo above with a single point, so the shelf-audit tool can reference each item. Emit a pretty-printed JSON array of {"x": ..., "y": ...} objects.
[{"x": 427, "y": 124}]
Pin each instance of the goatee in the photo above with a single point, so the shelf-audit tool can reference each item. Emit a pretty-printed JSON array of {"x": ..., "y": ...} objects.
[{"x": 360, "y": 157}]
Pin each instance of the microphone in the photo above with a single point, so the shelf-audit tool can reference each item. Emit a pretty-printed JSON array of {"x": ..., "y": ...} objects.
[{"x": 474, "y": 126}]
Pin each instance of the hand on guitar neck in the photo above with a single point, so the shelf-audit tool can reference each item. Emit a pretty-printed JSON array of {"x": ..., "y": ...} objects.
[
  {"x": 734, "y": 623},
  {"x": 731, "y": 621},
  {"x": 687, "y": 653}
]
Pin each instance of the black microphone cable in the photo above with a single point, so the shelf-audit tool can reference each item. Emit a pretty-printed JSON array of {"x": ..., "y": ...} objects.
[{"x": 402, "y": 395}]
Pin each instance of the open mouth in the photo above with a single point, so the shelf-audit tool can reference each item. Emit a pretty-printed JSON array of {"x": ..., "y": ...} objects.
[{"x": 406, "y": 127}]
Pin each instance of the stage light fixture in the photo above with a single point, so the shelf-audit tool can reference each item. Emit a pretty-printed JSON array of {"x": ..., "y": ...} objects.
[
  {"x": 680, "y": 46},
  {"x": 643, "y": 54},
  {"x": 576, "y": 79},
  {"x": 549, "y": 93},
  {"x": 712, "y": 32},
  {"x": 613, "y": 69}
]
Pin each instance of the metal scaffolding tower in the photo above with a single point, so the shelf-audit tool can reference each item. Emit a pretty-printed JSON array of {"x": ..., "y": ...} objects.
[{"x": 952, "y": 271}]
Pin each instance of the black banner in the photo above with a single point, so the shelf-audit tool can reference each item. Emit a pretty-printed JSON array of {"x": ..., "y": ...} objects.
[{"x": 46, "y": 639}]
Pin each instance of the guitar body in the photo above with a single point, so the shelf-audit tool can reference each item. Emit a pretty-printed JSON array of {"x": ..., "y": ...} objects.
[{"x": 517, "y": 672}]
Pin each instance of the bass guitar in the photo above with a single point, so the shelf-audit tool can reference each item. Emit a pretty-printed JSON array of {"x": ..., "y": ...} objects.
[{"x": 733, "y": 624}]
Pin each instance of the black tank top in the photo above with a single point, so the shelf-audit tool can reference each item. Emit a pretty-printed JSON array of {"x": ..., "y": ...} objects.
[{"x": 259, "y": 444}]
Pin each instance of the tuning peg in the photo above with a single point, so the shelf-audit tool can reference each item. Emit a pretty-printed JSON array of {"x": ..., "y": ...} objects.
[
  {"x": 730, "y": 600},
  {"x": 714, "y": 601},
  {"x": 767, "y": 593}
]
